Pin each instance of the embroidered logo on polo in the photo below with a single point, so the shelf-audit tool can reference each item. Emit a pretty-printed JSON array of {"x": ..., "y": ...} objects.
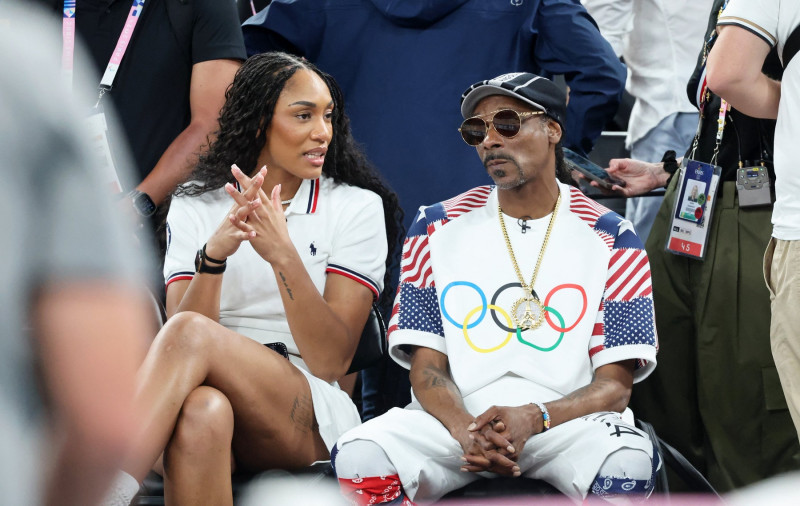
[{"x": 502, "y": 320}]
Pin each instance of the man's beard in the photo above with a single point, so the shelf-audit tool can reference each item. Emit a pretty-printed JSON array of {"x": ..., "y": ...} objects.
[{"x": 498, "y": 173}]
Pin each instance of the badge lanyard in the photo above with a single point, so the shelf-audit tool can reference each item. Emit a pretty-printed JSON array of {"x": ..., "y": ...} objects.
[
  {"x": 694, "y": 205},
  {"x": 68, "y": 44},
  {"x": 696, "y": 196},
  {"x": 696, "y": 191},
  {"x": 68, "y": 47},
  {"x": 96, "y": 122},
  {"x": 698, "y": 181},
  {"x": 703, "y": 94}
]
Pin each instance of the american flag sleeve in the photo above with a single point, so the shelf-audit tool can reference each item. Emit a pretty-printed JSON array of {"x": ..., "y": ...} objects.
[
  {"x": 625, "y": 325},
  {"x": 416, "y": 318}
]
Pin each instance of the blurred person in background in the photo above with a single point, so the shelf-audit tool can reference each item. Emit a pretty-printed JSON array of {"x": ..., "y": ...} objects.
[
  {"x": 75, "y": 322},
  {"x": 168, "y": 88}
]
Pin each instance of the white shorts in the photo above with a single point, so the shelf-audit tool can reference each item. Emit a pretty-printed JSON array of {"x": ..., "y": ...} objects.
[
  {"x": 333, "y": 409},
  {"x": 428, "y": 459}
]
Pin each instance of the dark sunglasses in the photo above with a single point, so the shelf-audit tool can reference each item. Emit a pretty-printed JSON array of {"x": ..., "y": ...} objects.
[{"x": 506, "y": 122}]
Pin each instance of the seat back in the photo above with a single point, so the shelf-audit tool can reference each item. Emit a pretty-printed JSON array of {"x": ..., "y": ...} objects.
[
  {"x": 372, "y": 345},
  {"x": 672, "y": 459}
]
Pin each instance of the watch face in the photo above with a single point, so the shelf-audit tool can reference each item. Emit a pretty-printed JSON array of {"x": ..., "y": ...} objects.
[{"x": 144, "y": 205}]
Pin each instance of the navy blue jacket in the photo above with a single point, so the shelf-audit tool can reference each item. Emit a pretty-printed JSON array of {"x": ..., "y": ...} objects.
[{"x": 403, "y": 65}]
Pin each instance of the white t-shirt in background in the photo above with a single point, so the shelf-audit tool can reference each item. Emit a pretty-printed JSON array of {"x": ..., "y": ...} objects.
[
  {"x": 660, "y": 41},
  {"x": 774, "y": 21}
]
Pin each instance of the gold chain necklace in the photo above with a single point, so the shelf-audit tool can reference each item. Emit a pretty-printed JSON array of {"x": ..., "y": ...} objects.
[{"x": 527, "y": 312}]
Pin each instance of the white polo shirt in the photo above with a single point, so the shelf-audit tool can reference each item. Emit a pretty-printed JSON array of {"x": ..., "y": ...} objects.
[
  {"x": 336, "y": 228},
  {"x": 774, "y": 21}
]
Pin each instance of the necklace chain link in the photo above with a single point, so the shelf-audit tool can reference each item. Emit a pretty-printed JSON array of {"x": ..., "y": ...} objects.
[{"x": 529, "y": 287}]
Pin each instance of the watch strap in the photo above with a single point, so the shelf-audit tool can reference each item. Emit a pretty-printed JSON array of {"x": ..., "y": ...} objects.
[
  {"x": 201, "y": 266},
  {"x": 212, "y": 260},
  {"x": 142, "y": 203}
]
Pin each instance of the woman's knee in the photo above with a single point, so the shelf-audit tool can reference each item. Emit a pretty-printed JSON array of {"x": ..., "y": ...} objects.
[
  {"x": 205, "y": 424},
  {"x": 185, "y": 333}
]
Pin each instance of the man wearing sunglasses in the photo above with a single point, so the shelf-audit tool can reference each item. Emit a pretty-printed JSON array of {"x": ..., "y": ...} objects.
[{"x": 525, "y": 315}]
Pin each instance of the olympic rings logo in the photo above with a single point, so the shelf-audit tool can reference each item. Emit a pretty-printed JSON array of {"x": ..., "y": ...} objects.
[{"x": 494, "y": 309}]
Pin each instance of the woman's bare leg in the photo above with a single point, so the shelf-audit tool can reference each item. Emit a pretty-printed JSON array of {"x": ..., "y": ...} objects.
[
  {"x": 271, "y": 399},
  {"x": 174, "y": 366},
  {"x": 197, "y": 460}
]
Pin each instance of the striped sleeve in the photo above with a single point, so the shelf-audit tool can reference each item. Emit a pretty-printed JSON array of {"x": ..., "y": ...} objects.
[
  {"x": 757, "y": 16},
  {"x": 416, "y": 319},
  {"x": 624, "y": 327},
  {"x": 625, "y": 324},
  {"x": 359, "y": 247},
  {"x": 183, "y": 241}
]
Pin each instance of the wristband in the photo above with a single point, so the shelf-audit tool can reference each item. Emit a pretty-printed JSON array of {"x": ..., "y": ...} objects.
[
  {"x": 545, "y": 416},
  {"x": 670, "y": 164},
  {"x": 209, "y": 259}
]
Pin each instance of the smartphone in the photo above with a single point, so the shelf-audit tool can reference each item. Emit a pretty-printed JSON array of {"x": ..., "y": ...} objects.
[{"x": 590, "y": 169}]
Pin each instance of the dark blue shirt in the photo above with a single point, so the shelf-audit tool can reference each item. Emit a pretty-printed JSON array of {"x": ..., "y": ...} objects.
[{"x": 403, "y": 66}]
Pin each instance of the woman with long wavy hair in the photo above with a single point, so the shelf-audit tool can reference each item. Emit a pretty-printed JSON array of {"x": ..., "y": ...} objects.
[{"x": 294, "y": 253}]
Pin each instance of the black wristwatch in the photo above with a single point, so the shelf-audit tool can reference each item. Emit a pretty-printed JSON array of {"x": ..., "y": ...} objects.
[
  {"x": 142, "y": 203},
  {"x": 201, "y": 263}
]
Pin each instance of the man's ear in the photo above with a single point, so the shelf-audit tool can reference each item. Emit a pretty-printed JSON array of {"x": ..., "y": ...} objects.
[{"x": 554, "y": 131}]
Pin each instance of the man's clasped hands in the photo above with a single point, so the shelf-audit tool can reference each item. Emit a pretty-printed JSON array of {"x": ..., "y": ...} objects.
[{"x": 494, "y": 441}]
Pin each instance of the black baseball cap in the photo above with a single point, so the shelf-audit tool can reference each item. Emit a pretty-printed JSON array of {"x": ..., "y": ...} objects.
[{"x": 541, "y": 93}]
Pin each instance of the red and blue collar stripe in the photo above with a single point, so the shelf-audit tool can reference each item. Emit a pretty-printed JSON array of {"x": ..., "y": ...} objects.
[{"x": 313, "y": 196}]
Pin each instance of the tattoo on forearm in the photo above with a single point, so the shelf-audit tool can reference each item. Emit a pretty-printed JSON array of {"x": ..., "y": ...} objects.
[
  {"x": 302, "y": 414},
  {"x": 433, "y": 379},
  {"x": 286, "y": 285},
  {"x": 437, "y": 378},
  {"x": 588, "y": 391}
]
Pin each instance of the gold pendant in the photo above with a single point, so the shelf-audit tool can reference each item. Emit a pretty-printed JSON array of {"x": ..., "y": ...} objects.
[{"x": 527, "y": 313}]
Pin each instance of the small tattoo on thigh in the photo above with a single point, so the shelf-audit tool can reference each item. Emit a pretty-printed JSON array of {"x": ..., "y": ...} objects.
[{"x": 302, "y": 414}]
